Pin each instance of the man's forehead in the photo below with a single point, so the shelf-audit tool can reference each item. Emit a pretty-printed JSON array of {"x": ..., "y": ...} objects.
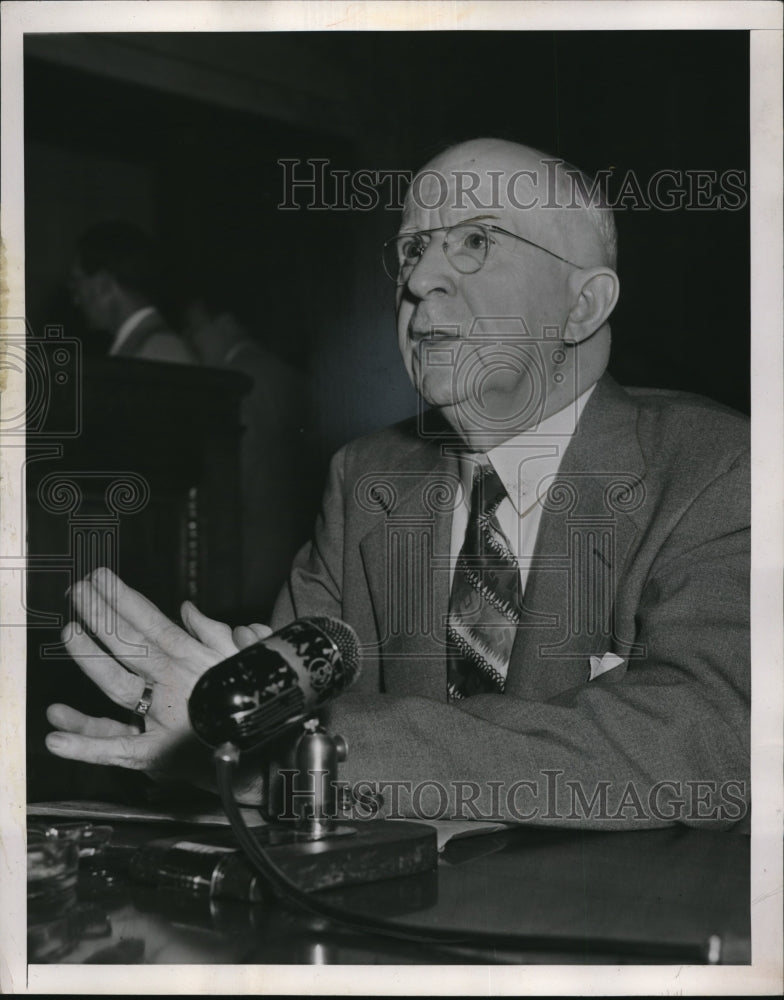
[
  {"x": 445, "y": 193},
  {"x": 483, "y": 175},
  {"x": 515, "y": 187}
]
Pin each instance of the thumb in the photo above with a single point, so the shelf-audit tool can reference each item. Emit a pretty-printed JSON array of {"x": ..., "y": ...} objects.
[
  {"x": 212, "y": 633},
  {"x": 247, "y": 635}
]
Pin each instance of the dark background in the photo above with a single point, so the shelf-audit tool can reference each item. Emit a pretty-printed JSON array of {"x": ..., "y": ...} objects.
[
  {"x": 182, "y": 133},
  {"x": 193, "y": 158}
]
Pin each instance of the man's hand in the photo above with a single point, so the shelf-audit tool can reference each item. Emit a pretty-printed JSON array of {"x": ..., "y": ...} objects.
[{"x": 140, "y": 647}]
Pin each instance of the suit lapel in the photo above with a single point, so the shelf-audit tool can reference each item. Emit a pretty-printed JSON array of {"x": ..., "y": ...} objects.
[
  {"x": 405, "y": 556},
  {"x": 588, "y": 525},
  {"x": 589, "y": 522}
]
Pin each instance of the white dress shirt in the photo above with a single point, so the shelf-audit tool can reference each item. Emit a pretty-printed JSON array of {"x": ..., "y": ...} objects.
[{"x": 525, "y": 464}]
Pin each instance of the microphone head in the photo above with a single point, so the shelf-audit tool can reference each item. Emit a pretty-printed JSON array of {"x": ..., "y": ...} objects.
[
  {"x": 347, "y": 666},
  {"x": 265, "y": 688}
]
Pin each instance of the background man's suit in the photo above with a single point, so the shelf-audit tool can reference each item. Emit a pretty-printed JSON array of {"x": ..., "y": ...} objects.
[
  {"x": 153, "y": 340},
  {"x": 652, "y": 504}
]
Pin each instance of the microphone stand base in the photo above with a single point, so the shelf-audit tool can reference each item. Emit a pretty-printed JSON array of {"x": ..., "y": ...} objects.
[{"x": 352, "y": 854}]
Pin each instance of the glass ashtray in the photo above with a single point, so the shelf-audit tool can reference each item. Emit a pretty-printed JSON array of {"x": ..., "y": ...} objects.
[
  {"x": 91, "y": 839},
  {"x": 52, "y": 866},
  {"x": 55, "y": 854}
]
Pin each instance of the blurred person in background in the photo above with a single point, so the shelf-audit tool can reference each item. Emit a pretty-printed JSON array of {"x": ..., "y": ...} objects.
[{"x": 114, "y": 284}]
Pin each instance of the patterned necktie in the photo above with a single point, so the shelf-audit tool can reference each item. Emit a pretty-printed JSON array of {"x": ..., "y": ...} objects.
[{"x": 485, "y": 599}]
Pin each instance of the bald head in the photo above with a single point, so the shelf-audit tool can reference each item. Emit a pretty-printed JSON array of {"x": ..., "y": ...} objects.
[
  {"x": 540, "y": 195},
  {"x": 505, "y": 284}
]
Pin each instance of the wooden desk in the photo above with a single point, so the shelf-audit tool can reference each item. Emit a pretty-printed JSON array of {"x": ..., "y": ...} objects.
[{"x": 672, "y": 886}]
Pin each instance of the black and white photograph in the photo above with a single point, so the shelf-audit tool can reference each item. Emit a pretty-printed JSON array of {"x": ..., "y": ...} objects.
[{"x": 391, "y": 442}]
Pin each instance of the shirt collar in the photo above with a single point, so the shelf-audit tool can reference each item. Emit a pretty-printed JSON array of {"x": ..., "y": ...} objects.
[
  {"x": 128, "y": 326},
  {"x": 524, "y": 461}
]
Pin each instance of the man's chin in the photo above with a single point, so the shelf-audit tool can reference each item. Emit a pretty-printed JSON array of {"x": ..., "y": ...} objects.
[
  {"x": 448, "y": 408},
  {"x": 469, "y": 417},
  {"x": 480, "y": 424},
  {"x": 437, "y": 396}
]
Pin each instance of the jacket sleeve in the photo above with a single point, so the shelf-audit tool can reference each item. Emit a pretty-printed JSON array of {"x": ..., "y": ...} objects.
[
  {"x": 666, "y": 741},
  {"x": 314, "y": 586}
]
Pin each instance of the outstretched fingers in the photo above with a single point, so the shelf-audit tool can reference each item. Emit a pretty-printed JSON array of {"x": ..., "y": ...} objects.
[
  {"x": 136, "y": 751},
  {"x": 70, "y": 720},
  {"x": 106, "y": 623},
  {"x": 143, "y": 621},
  {"x": 122, "y": 686}
]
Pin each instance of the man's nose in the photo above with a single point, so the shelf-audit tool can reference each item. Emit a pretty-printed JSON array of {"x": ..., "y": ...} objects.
[{"x": 432, "y": 273}]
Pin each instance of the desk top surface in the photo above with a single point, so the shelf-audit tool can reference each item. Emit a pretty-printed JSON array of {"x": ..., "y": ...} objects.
[{"x": 606, "y": 897}]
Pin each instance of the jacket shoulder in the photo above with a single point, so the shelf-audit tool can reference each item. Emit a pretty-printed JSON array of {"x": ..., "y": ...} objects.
[
  {"x": 164, "y": 345},
  {"x": 411, "y": 440},
  {"x": 683, "y": 427}
]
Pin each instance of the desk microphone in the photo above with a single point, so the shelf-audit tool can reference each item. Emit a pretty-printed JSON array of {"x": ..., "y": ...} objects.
[{"x": 254, "y": 695}]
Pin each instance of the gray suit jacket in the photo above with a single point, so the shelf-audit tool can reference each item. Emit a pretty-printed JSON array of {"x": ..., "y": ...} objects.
[
  {"x": 643, "y": 550},
  {"x": 153, "y": 340}
]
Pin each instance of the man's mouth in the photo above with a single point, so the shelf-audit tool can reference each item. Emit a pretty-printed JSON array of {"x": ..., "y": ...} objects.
[{"x": 418, "y": 332}]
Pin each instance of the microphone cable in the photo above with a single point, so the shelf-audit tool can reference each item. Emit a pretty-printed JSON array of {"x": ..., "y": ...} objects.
[{"x": 226, "y": 758}]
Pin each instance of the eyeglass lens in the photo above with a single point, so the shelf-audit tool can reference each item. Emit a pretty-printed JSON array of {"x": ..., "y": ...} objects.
[{"x": 465, "y": 246}]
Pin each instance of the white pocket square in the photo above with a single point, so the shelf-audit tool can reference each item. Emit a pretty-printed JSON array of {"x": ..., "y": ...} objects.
[{"x": 601, "y": 664}]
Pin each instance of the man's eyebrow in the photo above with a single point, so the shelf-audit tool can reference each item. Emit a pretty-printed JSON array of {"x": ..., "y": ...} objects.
[{"x": 462, "y": 222}]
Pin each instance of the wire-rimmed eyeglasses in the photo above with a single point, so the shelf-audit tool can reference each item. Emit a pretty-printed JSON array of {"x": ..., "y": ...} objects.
[{"x": 465, "y": 245}]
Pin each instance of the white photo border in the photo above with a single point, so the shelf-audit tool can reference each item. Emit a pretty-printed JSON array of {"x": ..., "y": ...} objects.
[{"x": 763, "y": 20}]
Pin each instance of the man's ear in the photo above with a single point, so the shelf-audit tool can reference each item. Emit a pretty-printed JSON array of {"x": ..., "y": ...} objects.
[{"x": 595, "y": 294}]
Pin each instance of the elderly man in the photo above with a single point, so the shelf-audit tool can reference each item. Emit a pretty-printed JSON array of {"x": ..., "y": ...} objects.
[{"x": 548, "y": 573}]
